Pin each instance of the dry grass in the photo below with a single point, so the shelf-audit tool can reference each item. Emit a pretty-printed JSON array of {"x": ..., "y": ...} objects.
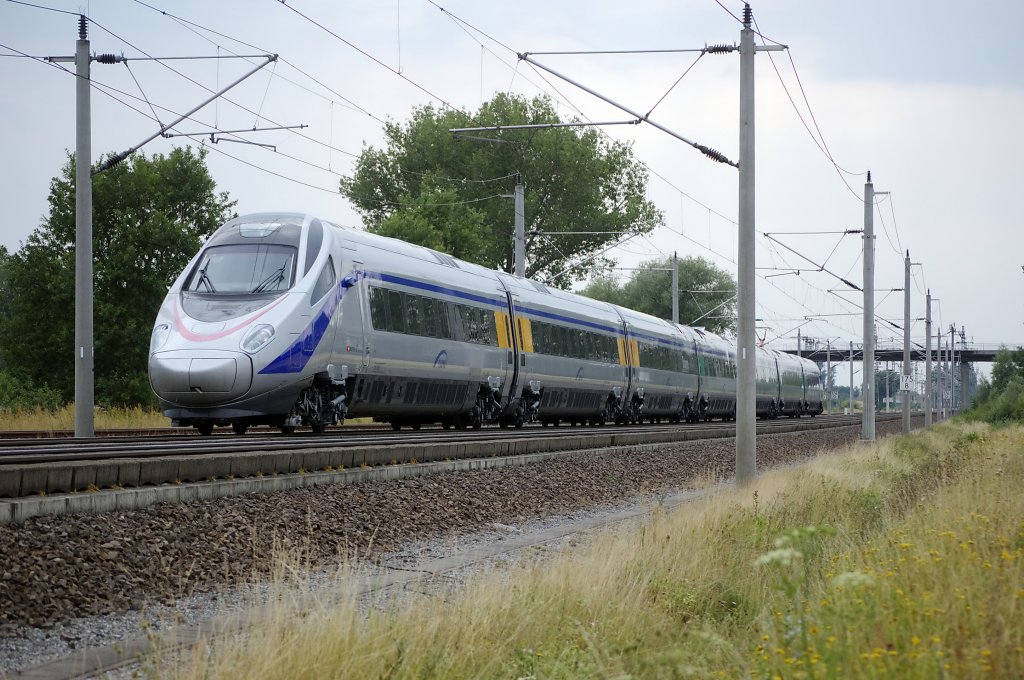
[
  {"x": 902, "y": 559},
  {"x": 132, "y": 417},
  {"x": 52, "y": 420}
]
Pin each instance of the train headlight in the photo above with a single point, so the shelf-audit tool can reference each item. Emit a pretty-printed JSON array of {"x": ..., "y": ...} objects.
[
  {"x": 257, "y": 338},
  {"x": 159, "y": 337}
]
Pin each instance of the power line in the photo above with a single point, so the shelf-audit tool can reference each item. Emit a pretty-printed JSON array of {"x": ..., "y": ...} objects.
[
  {"x": 227, "y": 99},
  {"x": 565, "y": 99},
  {"x": 369, "y": 56},
  {"x": 192, "y": 26},
  {"x": 49, "y": 9}
]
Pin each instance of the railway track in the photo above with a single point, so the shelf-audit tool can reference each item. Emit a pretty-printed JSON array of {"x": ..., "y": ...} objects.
[
  {"x": 75, "y": 476},
  {"x": 29, "y": 450}
]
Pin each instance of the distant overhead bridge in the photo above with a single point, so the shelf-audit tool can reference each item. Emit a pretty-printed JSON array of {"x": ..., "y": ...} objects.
[{"x": 967, "y": 353}]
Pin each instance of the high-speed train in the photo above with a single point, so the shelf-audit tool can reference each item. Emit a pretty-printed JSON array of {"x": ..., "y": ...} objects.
[{"x": 285, "y": 319}]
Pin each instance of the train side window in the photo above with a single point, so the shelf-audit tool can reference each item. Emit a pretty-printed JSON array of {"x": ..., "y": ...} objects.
[
  {"x": 324, "y": 283},
  {"x": 413, "y": 314},
  {"x": 541, "y": 337},
  {"x": 488, "y": 330},
  {"x": 441, "y": 326},
  {"x": 430, "y": 327},
  {"x": 556, "y": 340},
  {"x": 396, "y": 312},
  {"x": 470, "y": 327},
  {"x": 379, "y": 308}
]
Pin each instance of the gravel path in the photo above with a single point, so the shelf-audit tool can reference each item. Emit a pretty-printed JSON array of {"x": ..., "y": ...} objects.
[{"x": 72, "y": 582}]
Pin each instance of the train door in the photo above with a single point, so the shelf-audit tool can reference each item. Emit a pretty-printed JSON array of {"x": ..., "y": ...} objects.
[
  {"x": 514, "y": 355},
  {"x": 363, "y": 334},
  {"x": 631, "y": 357}
]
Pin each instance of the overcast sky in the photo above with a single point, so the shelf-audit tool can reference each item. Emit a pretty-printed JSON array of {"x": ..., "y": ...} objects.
[{"x": 928, "y": 96}]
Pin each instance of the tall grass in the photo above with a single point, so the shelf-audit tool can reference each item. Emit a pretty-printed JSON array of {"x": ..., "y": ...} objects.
[
  {"x": 63, "y": 418},
  {"x": 902, "y": 559}
]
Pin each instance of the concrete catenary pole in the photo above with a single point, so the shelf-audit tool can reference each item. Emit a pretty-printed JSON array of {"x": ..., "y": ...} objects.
[
  {"x": 952, "y": 368},
  {"x": 942, "y": 370},
  {"x": 965, "y": 372},
  {"x": 905, "y": 396},
  {"x": 675, "y": 288},
  {"x": 868, "y": 377},
  {"x": 851, "y": 377},
  {"x": 828, "y": 375},
  {"x": 84, "y": 379},
  {"x": 746, "y": 442},
  {"x": 928, "y": 392},
  {"x": 520, "y": 246}
]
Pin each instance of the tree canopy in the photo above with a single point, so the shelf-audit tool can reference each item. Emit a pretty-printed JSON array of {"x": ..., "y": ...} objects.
[
  {"x": 454, "y": 193},
  {"x": 707, "y": 294},
  {"x": 1002, "y": 399},
  {"x": 149, "y": 217}
]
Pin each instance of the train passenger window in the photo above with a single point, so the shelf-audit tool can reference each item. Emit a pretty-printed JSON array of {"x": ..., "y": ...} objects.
[
  {"x": 435, "y": 318},
  {"x": 489, "y": 328},
  {"x": 441, "y": 326},
  {"x": 429, "y": 328},
  {"x": 396, "y": 312},
  {"x": 556, "y": 341},
  {"x": 324, "y": 283},
  {"x": 477, "y": 325},
  {"x": 413, "y": 314},
  {"x": 379, "y": 308}
]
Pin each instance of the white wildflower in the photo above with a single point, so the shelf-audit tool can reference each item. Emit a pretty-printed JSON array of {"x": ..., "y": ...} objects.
[
  {"x": 782, "y": 556},
  {"x": 853, "y": 579}
]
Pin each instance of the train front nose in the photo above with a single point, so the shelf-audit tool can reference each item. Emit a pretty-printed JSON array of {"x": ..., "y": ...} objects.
[{"x": 204, "y": 379}]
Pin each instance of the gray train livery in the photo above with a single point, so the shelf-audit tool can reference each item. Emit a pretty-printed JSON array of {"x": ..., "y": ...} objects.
[{"x": 284, "y": 319}]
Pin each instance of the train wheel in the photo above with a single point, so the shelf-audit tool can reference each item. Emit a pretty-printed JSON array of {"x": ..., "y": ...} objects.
[
  {"x": 416, "y": 426},
  {"x": 239, "y": 428},
  {"x": 556, "y": 422},
  {"x": 543, "y": 423},
  {"x": 205, "y": 428},
  {"x": 396, "y": 426},
  {"x": 446, "y": 424},
  {"x": 287, "y": 429},
  {"x": 318, "y": 427}
]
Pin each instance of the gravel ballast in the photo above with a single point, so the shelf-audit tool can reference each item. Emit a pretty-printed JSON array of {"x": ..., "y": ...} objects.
[{"x": 97, "y": 568}]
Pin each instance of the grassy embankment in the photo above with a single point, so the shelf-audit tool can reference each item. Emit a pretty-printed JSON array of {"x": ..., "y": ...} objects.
[
  {"x": 131, "y": 417},
  {"x": 63, "y": 418},
  {"x": 902, "y": 559}
]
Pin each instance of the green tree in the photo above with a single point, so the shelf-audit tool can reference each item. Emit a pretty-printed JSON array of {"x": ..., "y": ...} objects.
[
  {"x": 1002, "y": 399},
  {"x": 1009, "y": 364},
  {"x": 707, "y": 294},
  {"x": 450, "y": 193},
  {"x": 149, "y": 217}
]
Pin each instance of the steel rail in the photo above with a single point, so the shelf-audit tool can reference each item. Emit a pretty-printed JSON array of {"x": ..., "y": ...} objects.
[{"x": 55, "y": 451}]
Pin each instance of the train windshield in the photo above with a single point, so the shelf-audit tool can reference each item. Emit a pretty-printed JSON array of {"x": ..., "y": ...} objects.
[{"x": 244, "y": 269}]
